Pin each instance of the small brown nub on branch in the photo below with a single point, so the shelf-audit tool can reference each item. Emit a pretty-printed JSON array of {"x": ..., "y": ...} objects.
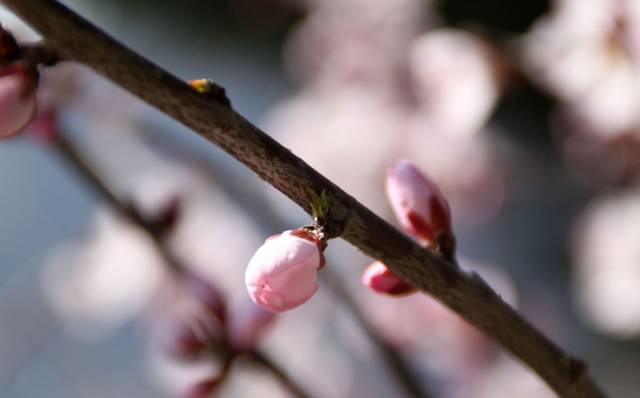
[
  {"x": 577, "y": 368},
  {"x": 450, "y": 277},
  {"x": 208, "y": 87}
]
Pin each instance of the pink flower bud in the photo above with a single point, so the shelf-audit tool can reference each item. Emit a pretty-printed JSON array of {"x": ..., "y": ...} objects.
[
  {"x": 17, "y": 101},
  {"x": 381, "y": 279},
  {"x": 417, "y": 202},
  {"x": 282, "y": 273},
  {"x": 248, "y": 326}
]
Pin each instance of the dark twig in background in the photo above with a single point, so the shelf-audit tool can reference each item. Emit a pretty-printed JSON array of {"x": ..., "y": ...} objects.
[
  {"x": 266, "y": 362},
  {"x": 67, "y": 151}
]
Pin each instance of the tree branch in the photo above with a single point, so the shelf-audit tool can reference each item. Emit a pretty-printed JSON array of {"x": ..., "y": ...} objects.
[{"x": 74, "y": 38}]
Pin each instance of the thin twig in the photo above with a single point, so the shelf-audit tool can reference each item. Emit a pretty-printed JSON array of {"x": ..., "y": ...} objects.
[
  {"x": 67, "y": 150},
  {"x": 74, "y": 38},
  {"x": 396, "y": 364},
  {"x": 277, "y": 371}
]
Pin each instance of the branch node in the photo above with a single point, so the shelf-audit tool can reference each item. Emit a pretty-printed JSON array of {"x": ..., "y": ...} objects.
[
  {"x": 576, "y": 368},
  {"x": 210, "y": 88}
]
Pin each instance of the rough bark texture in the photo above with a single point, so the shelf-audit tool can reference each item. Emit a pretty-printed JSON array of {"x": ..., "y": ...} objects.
[{"x": 75, "y": 39}]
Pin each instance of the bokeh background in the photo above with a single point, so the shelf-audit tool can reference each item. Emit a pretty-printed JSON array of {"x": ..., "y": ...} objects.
[{"x": 527, "y": 114}]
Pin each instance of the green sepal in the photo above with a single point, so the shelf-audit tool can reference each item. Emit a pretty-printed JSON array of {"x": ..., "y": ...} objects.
[{"x": 319, "y": 203}]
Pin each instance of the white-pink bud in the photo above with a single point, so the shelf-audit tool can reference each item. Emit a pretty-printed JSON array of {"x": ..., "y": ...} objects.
[
  {"x": 282, "y": 273},
  {"x": 417, "y": 202},
  {"x": 381, "y": 279},
  {"x": 17, "y": 102}
]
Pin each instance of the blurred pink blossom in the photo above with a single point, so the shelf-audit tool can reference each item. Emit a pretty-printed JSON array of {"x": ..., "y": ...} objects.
[
  {"x": 353, "y": 42},
  {"x": 606, "y": 254},
  {"x": 457, "y": 78},
  {"x": 96, "y": 283},
  {"x": 183, "y": 321},
  {"x": 586, "y": 53}
]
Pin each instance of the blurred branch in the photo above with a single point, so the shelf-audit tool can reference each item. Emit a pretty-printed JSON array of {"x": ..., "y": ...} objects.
[
  {"x": 69, "y": 153},
  {"x": 267, "y": 363},
  {"x": 397, "y": 365},
  {"x": 74, "y": 38}
]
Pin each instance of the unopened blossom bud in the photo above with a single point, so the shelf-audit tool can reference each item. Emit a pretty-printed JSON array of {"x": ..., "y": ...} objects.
[
  {"x": 418, "y": 203},
  {"x": 282, "y": 273},
  {"x": 381, "y": 279},
  {"x": 17, "y": 101},
  {"x": 248, "y": 325}
]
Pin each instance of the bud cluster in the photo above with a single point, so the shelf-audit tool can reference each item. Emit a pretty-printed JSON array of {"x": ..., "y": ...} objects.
[
  {"x": 282, "y": 273},
  {"x": 423, "y": 213}
]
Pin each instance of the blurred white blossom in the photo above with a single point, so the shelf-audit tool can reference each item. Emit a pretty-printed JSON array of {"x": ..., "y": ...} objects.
[
  {"x": 99, "y": 281},
  {"x": 607, "y": 264},
  {"x": 586, "y": 54},
  {"x": 456, "y": 79}
]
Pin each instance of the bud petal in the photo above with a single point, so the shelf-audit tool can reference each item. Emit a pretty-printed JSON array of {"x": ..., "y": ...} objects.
[
  {"x": 17, "y": 102},
  {"x": 282, "y": 273},
  {"x": 381, "y": 279},
  {"x": 248, "y": 326},
  {"x": 417, "y": 202}
]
